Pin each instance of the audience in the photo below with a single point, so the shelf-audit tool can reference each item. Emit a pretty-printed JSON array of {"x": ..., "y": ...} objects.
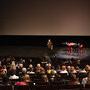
[{"x": 14, "y": 68}]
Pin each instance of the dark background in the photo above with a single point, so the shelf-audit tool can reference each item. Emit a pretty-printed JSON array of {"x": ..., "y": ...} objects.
[{"x": 41, "y": 40}]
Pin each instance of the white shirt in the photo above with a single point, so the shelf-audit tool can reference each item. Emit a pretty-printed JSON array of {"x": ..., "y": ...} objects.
[{"x": 63, "y": 71}]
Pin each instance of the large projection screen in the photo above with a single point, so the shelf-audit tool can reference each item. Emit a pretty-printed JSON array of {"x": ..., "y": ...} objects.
[{"x": 45, "y": 17}]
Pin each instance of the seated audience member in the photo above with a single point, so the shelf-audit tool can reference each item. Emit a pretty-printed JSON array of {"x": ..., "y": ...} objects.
[
  {"x": 68, "y": 69},
  {"x": 21, "y": 83},
  {"x": 78, "y": 63},
  {"x": 51, "y": 71},
  {"x": 45, "y": 78},
  {"x": 39, "y": 69},
  {"x": 74, "y": 80},
  {"x": 24, "y": 70},
  {"x": 49, "y": 68},
  {"x": 4, "y": 69},
  {"x": 11, "y": 70},
  {"x": 77, "y": 69},
  {"x": 63, "y": 69},
  {"x": 64, "y": 74},
  {"x": 73, "y": 70},
  {"x": 3, "y": 75},
  {"x": 87, "y": 68},
  {"x": 26, "y": 78},
  {"x": 1, "y": 71},
  {"x": 83, "y": 73},
  {"x": 19, "y": 69},
  {"x": 53, "y": 75},
  {"x": 30, "y": 69},
  {"x": 86, "y": 80}
]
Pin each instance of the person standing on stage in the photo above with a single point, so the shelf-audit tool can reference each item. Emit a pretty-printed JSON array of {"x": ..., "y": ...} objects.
[
  {"x": 50, "y": 44},
  {"x": 50, "y": 51},
  {"x": 81, "y": 49}
]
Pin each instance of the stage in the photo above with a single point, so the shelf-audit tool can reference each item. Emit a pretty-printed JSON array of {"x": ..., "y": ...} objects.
[{"x": 32, "y": 51}]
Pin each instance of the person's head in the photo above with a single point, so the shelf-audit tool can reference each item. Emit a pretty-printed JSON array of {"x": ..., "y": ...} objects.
[
  {"x": 72, "y": 68},
  {"x": 26, "y": 78},
  {"x": 87, "y": 68},
  {"x": 81, "y": 46},
  {"x": 68, "y": 68},
  {"x": 13, "y": 67},
  {"x": 63, "y": 67},
  {"x": 38, "y": 65},
  {"x": 30, "y": 66},
  {"x": 49, "y": 40},
  {"x": 49, "y": 65},
  {"x": 4, "y": 66},
  {"x": 45, "y": 78},
  {"x": 13, "y": 63},
  {"x": 20, "y": 65},
  {"x": 24, "y": 70},
  {"x": 77, "y": 68},
  {"x": 78, "y": 61}
]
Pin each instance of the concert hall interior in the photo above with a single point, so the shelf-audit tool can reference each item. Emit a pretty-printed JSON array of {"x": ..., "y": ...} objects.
[{"x": 44, "y": 45}]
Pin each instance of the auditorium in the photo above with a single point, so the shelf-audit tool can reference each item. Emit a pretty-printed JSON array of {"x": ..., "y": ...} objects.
[{"x": 44, "y": 45}]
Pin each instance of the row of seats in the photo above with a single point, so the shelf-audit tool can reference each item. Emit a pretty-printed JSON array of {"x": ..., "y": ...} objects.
[{"x": 47, "y": 87}]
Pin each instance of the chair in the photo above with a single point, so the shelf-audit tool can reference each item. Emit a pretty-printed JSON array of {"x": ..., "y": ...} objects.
[
  {"x": 21, "y": 87},
  {"x": 87, "y": 87},
  {"x": 70, "y": 87},
  {"x": 3, "y": 87}
]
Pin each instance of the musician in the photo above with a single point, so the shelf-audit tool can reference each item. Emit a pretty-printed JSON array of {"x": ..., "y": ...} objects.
[
  {"x": 50, "y": 44},
  {"x": 69, "y": 48},
  {"x": 81, "y": 49}
]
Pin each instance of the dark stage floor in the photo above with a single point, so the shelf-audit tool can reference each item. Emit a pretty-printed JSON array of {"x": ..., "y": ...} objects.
[{"x": 28, "y": 51}]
